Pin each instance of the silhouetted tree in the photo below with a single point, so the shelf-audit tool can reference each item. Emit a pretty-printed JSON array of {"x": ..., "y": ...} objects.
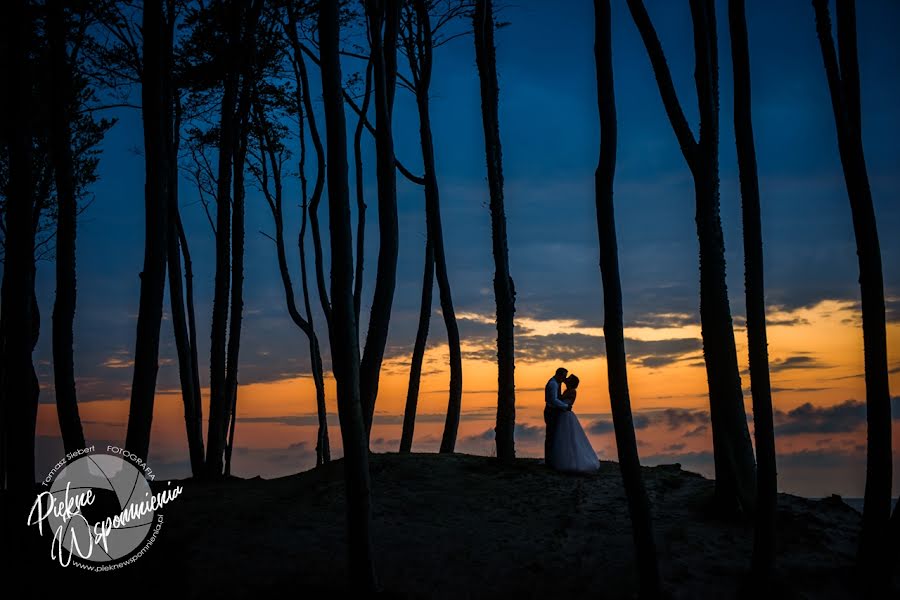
[
  {"x": 360, "y": 192},
  {"x": 504, "y": 289},
  {"x": 734, "y": 462},
  {"x": 63, "y": 103},
  {"x": 344, "y": 332},
  {"x": 419, "y": 39},
  {"x": 418, "y": 355},
  {"x": 268, "y": 169},
  {"x": 383, "y": 23},
  {"x": 760, "y": 386},
  {"x": 613, "y": 323},
  {"x": 156, "y": 200},
  {"x": 224, "y": 44},
  {"x": 842, "y": 71},
  {"x": 310, "y": 211},
  {"x": 237, "y": 246},
  {"x": 181, "y": 295},
  {"x": 19, "y": 386}
]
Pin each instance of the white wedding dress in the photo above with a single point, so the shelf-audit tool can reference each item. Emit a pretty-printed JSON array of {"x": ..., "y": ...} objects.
[{"x": 571, "y": 449}]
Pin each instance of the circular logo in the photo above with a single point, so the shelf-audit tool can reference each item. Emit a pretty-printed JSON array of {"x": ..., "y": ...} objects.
[{"x": 103, "y": 512}]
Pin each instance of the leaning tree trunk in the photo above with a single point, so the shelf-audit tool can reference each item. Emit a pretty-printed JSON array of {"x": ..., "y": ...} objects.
[
  {"x": 185, "y": 333},
  {"x": 384, "y": 59},
  {"x": 19, "y": 394},
  {"x": 760, "y": 386},
  {"x": 613, "y": 322},
  {"x": 422, "y": 69},
  {"x": 842, "y": 71},
  {"x": 61, "y": 156},
  {"x": 733, "y": 452},
  {"x": 344, "y": 332},
  {"x": 504, "y": 290},
  {"x": 183, "y": 326},
  {"x": 156, "y": 201},
  {"x": 323, "y": 445},
  {"x": 309, "y": 208},
  {"x": 197, "y": 423},
  {"x": 418, "y": 355}
]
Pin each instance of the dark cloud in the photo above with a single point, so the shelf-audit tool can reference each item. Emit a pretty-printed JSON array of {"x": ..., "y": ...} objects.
[
  {"x": 801, "y": 361},
  {"x": 676, "y": 418},
  {"x": 570, "y": 347},
  {"x": 602, "y": 426},
  {"x": 523, "y": 432},
  {"x": 847, "y": 416},
  {"x": 671, "y": 418}
]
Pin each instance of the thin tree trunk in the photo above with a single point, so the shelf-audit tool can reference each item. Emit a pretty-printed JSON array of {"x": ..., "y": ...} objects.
[
  {"x": 219, "y": 401},
  {"x": 842, "y": 71},
  {"x": 733, "y": 452},
  {"x": 153, "y": 276},
  {"x": 504, "y": 289},
  {"x": 61, "y": 155},
  {"x": 269, "y": 160},
  {"x": 418, "y": 355},
  {"x": 196, "y": 425},
  {"x": 20, "y": 320},
  {"x": 384, "y": 58},
  {"x": 304, "y": 99},
  {"x": 237, "y": 265},
  {"x": 760, "y": 386},
  {"x": 185, "y": 341},
  {"x": 613, "y": 321},
  {"x": 323, "y": 445},
  {"x": 360, "y": 196},
  {"x": 304, "y": 108},
  {"x": 421, "y": 66},
  {"x": 344, "y": 332}
]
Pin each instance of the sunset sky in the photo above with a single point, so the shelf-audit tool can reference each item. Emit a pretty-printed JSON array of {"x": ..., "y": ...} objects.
[{"x": 549, "y": 131}]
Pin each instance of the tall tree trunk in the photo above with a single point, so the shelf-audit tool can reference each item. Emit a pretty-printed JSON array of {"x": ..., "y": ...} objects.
[
  {"x": 61, "y": 156},
  {"x": 384, "y": 59},
  {"x": 323, "y": 445},
  {"x": 196, "y": 424},
  {"x": 20, "y": 320},
  {"x": 418, "y": 355},
  {"x": 186, "y": 367},
  {"x": 842, "y": 71},
  {"x": 421, "y": 65},
  {"x": 311, "y": 212},
  {"x": 344, "y": 333},
  {"x": 237, "y": 264},
  {"x": 153, "y": 277},
  {"x": 504, "y": 289},
  {"x": 218, "y": 398},
  {"x": 185, "y": 333},
  {"x": 360, "y": 195},
  {"x": 304, "y": 99},
  {"x": 760, "y": 386},
  {"x": 613, "y": 322},
  {"x": 270, "y": 159},
  {"x": 183, "y": 325},
  {"x": 242, "y": 21},
  {"x": 734, "y": 462}
]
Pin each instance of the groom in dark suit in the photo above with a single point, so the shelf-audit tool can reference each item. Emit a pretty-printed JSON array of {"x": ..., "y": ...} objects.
[{"x": 552, "y": 406}]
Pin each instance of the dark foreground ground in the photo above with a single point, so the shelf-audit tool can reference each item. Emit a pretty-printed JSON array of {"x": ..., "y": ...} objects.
[{"x": 459, "y": 526}]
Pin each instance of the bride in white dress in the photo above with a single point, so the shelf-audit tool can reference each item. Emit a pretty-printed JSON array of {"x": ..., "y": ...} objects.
[{"x": 571, "y": 449}]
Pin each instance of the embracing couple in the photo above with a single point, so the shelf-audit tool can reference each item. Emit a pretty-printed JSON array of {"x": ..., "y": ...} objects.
[{"x": 566, "y": 446}]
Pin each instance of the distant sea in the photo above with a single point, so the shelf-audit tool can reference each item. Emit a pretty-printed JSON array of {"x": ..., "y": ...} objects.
[{"x": 857, "y": 503}]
